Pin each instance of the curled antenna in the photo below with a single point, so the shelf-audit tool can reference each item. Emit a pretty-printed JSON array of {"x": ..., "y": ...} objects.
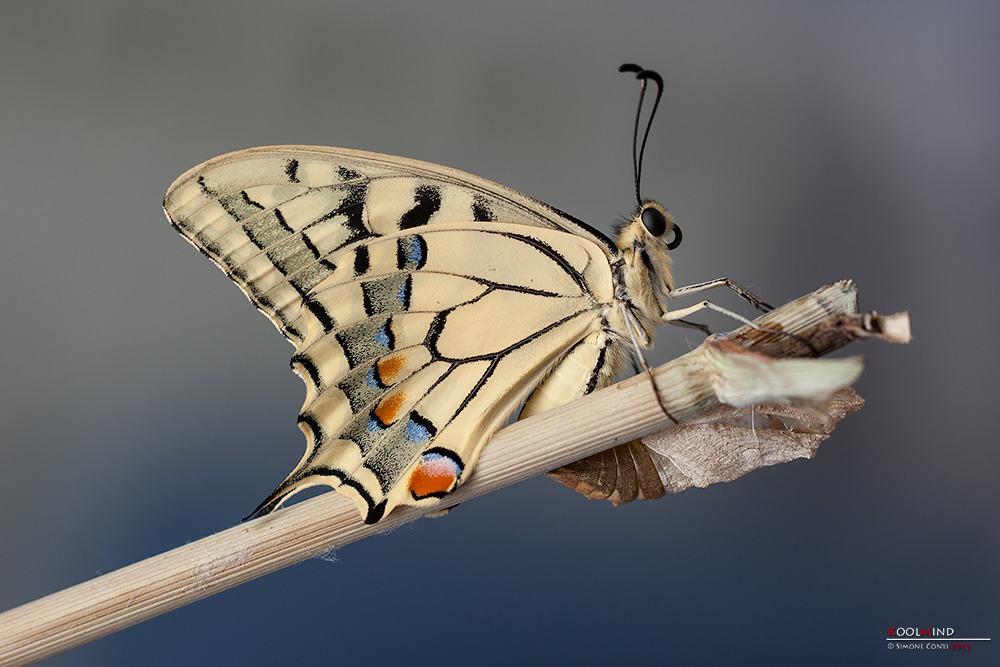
[{"x": 643, "y": 75}]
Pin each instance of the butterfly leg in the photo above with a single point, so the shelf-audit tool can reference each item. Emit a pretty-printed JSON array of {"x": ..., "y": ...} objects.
[
  {"x": 744, "y": 293},
  {"x": 626, "y": 314},
  {"x": 691, "y": 325},
  {"x": 675, "y": 317}
]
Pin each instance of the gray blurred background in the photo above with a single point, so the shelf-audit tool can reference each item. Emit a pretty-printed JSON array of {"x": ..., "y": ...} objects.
[{"x": 146, "y": 404}]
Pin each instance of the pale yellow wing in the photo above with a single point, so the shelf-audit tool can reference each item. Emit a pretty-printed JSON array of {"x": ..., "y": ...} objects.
[
  {"x": 272, "y": 217},
  {"x": 420, "y": 321}
]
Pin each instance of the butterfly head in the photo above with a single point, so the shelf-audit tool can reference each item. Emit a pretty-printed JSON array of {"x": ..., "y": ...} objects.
[{"x": 644, "y": 243}]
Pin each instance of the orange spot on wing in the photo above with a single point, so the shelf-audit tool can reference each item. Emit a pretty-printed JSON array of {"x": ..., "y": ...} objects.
[
  {"x": 389, "y": 368},
  {"x": 388, "y": 410},
  {"x": 434, "y": 476}
]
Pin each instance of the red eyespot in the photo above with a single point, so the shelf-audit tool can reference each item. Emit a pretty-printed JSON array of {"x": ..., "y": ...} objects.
[{"x": 436, "y": 475}]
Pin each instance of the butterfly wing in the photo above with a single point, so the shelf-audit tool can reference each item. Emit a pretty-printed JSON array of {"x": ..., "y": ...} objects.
[
  {"x": 425, "y": 304},
  {"x": 268, "y": 217}
]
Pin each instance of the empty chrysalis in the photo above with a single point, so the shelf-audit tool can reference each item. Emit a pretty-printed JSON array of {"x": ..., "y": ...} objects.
[{"x": 426, "y": 304}]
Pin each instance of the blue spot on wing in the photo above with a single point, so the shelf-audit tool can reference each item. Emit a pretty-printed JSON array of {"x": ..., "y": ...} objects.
[
  {"x": 383, "y": 336},
  {"x": 411, "y": 253},
  {"x": 415, "y": 253},
  {"x": 416, "y": 433}
]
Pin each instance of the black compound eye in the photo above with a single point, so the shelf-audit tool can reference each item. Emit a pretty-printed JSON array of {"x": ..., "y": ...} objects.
[
  {"x": 653, "y": 221},
  {"x": 676, "y": 241}
]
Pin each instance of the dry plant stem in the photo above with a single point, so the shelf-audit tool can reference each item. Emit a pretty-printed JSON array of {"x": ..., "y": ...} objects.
[{"x": 151, "y": 587}]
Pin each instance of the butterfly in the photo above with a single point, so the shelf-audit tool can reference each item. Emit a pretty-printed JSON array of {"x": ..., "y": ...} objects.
[{"x": 426, "y": 305}]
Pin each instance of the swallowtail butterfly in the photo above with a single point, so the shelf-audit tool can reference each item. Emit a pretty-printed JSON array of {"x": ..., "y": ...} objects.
[{"x": 426, "y": 305}]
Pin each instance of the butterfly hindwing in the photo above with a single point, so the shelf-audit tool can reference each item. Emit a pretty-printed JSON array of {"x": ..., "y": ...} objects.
[
  {"x": 437, "y": 355},
  {"x": 424, "y": 304}
]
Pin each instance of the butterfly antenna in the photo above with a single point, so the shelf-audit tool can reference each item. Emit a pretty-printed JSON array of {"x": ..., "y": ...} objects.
[{"x": 643, "y": 75}]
